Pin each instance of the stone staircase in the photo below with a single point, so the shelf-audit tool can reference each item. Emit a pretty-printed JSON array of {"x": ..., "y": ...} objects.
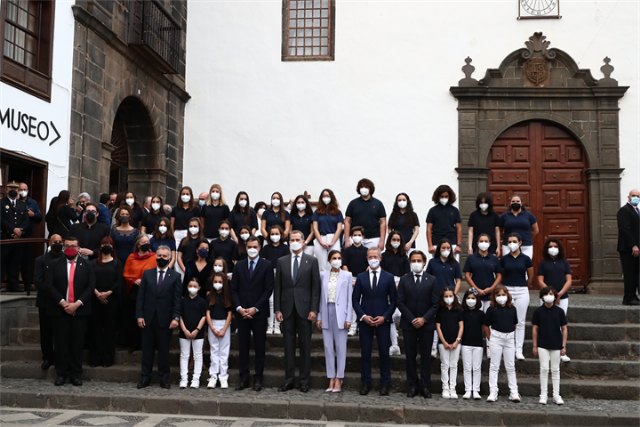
[{"x": 604, "y": 345}]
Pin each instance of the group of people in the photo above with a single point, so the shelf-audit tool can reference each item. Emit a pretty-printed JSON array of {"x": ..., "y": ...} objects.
[{"x": 133, "y": 272}]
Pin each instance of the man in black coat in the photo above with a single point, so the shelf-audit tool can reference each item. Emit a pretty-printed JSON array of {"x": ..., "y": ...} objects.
[
  {"x": 251, "y": 287},
  {"x": 69, "y": 283},
  {"x": 296, "y": 300},
  {"x": 629, "y": 246},
  {"x": 418, "y": 304},
  {"x": 158, "y": 314},
  {"x": 13, "y": 220}
]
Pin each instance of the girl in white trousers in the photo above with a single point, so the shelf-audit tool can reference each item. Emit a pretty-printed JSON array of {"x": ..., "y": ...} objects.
[
  {"x": 192, "y": 318},
  {"x": 449, "y": 327},
  {"x": 218, "y": 319},
  {"x": 472, "y": 344}
]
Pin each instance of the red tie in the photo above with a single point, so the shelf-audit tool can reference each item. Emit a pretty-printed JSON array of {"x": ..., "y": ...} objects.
[{"x": 72, "y": 273}]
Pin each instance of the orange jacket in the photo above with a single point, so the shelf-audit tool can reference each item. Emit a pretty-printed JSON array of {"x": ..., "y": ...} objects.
[{"x": 136, "y": 265}]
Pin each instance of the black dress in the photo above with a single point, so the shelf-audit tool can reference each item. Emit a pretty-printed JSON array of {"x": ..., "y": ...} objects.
[{"x": 104, "y": 317}]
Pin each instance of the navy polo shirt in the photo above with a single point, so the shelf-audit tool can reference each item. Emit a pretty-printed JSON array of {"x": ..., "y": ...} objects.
[
  {"x": 443, "y": 220},
  {"x": 445, "y": 273},
  {"x": 514, "y": 269},
  {"x": 448, "y": 320},
  {"x": 550, "y": 322},
  {"x": 484, "y": 223},
  {"x": 404, "y": 224},
  {"x": 182, "y": 216},
  {"x": 395, "y": 263},
  {"x": 218, "y": 311},
  {"x": 520, "y": 224},
  {"x": 213, "y": 215},
  {"x": 223, "y": 248},
  {"x": 273, "y": 253},
  {"x": 366, "y": 214},
  {"x": 472, "y": 334},
  {"x": 327, "y": 224},
  {"x": 239, "y": 220},
  {"x": 191, "y": 312},
  {"x": 483, "y": 270},
  {"x": 355, "y": 259},
  {"x": 554, "y": 272},
  {"x": 302, "y": 223},
  {"x": 501, "y": 319},
  {"x": 273, "y": 218},
  {"x": 151, "y": 220}
]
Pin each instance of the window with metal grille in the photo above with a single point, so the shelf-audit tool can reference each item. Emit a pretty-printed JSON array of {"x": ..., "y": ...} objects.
[
  {"x": 27, "y": 44},
  {"x": 308, "y": 28}
]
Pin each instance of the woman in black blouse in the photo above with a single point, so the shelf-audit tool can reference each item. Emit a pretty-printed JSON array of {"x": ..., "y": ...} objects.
[
  {"x": 302, "y": 220},
  {"x": 242, "y": 214},
  {"x": 214, "y": 212}
]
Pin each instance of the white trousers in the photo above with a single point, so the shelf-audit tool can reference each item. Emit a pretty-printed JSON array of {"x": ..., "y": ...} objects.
[
  {"x": 185, "y": 349},
  {"x": 471, "y": 366},
  {"x": 393, "y": 330},
  {"x": 219, "y": 352},
  {"x": 449, "y": 367},
  {"x": 502, "y": 345},
  {"x": 549, "y": 359},
  {"x": 322, "y": 254},
  {"x": 520, "y": 295},
  {"x": 371, "y": 243}
]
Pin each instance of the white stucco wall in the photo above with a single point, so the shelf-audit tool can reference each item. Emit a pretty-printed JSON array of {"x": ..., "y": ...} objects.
[
  {"x": 57, "y": 111},
  {"x": 382, "y": 109}
]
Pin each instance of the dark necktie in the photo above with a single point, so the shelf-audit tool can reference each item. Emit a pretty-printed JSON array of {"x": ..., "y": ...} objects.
[
  {"x": 637, "y": 210},
  {"x": 161, "y": 277},
  {"x": 251, "y": 265},
  {"x": 417, "y": 279},
  {"x": 296, "y": 266},
  {"x": 374, "y": 283}
]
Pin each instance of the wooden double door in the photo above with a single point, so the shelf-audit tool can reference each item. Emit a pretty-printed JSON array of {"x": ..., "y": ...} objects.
[{"x": 546, "y": 167}]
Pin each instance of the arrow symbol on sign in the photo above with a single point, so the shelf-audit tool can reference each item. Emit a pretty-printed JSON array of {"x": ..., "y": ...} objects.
[{"x": 57, "y": 134}]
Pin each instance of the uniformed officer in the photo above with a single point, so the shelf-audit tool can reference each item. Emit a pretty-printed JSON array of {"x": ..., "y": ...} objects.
[
  {"x": 13, "y": 218},
  {"x": 34, "y": 216}
]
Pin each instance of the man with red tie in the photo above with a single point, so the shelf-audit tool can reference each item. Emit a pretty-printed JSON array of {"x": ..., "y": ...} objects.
[{"x": 69, "y": 283}]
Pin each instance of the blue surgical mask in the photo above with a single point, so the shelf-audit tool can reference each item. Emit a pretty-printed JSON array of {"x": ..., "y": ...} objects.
[{"x": 635, "y": 200}]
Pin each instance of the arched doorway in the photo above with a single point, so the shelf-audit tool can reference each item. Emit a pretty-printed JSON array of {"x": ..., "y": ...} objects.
[{"x": 546, "y": 166}]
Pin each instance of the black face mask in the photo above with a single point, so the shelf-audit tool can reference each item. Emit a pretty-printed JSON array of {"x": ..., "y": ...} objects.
[
  {"x": 145, "y": 247},
  {"x": 516, "y": 206},
  {"x": 124, "y": 219},
  {"x": 91, "y": 216},
  {"x": 162, "y": 263},
  {"x": 56, "y": 248},
  {"x": 106, "y": 250},
  {"x": 13, "y": 194}
]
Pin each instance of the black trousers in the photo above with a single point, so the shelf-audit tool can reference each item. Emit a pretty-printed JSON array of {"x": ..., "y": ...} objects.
[
  {"x": 246, "y": 327},
  {"x": 418, "y": 341},
  {"x": 68, "y": 339},
  {"x": 631, "y": 273},
  {"x": 12, "y": 259},
  {"x": 297, "y": 327},
  {"x": 46, "y": 335},
  {"x": 104, "y": 319},
  {"x": 131, "y": 332},
  {"x": 156, "y": 338}
]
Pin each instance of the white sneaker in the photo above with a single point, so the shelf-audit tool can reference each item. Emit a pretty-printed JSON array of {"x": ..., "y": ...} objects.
[
  {"x": 276, "y": 330},
  {"x": 467, "y": 395},
  {"x": 394, "y": 350},
  {"x": 558, "y": 400},
  {"x": 195, "y": 384},
  {"x": 476, "y": 395},
  {"x": 453, "y": 394},
  {"x": 543, "y": 400},
  {"x": 492, "y": 397},
  {"x": 445, "y": 393},
  {"x": 434, "y": 352},
  {"x": 184, "y": 383},
  {"x": 224, "y": 383},
  {"x": 519, "y": 356},
  {"x": 352, "y": 332},
  {"x": 212, "y": 383},
  {"x": 514, "y": 397},
  {"x": 270, "y": 330},
  {"x": 565, "y": 358}
]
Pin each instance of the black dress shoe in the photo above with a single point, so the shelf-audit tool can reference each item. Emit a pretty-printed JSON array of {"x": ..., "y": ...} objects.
[
  {"x": 425, "y": 393},
  {"x": 144, "y": 382},
  {"x": 60, "y": 381},
  {"x": 365, "y": 389},
  {"x": 412, "y": 392},
  {"x": 384, "y": 390},
  {"x": 257, "y": 385},
  {"x": 76, "y": 382},
  {"x": 304, "y": 388},
  {"x": 46, "y": 364},
  {"x": 286, "y": 387},
  {"x": 165, "y": 384},
  {"x": 630, "y": 302},
  {"x": 242, "y": 385}
]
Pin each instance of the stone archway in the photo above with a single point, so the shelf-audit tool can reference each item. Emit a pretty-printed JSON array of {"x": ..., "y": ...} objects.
[{"x": 538, "y": 83}]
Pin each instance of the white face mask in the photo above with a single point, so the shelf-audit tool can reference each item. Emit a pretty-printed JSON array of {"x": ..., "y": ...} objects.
[
  {"x": 445, "y": 253},
  {"x": 185, "y": 198},
  {"x": 275, "y": 238},
  {"x": 471, "y": 302},
  {"x": 483, "y": 246},
  {"x": 295, "y": 246},
  {"x": 448, "y": 300},
  {"x": 502, "y": 299},
  {"x": 252, "y": 252},
  {"x": 402, "y": 204},
  {"x": 23, "y": 193},
  {"x": 553, "y": 251},
  {"x": 155, "y": 206},
  {"x": 217, "y": 286},
  {"x": 244, "y": 236},
  {"x": 261, "y": 211},
  {"x": 548, "y": 299},
  {"x": 129, "y": 201},
  {"x": 193, "y": 290},
  {"x": 374, "y": 263},
  {"x": 217, "y": 269},
  {"x": 224, "y": 232},
  {"x": 395, "y": 245},
  {"x": 444, "y": 200},
  {"x": 513, "y": 247},
  {"x": 301, "y": 206},
  {"x": 336, "y": 263},
  {"x": 484, "y": 206},
  {"x": 162, "y": 229},
  {"x": 275, "y": 202},
  {"x": 194, "y": 230},
  {"x": 416, "y": 267},
  {"x": 242, "y": 203},
  {"x": 364, "y": 191},
  {"x": 357, "y": 239},
  {"x": 215, "y": 195},
  {"x": 326, "y": 200}
]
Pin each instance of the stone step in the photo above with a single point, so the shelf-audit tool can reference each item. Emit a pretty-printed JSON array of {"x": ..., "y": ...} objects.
[
  {"x": 529, "y": 385},
  {"x": 314, "y": 405},
  {"x": 578, "y": 368}
]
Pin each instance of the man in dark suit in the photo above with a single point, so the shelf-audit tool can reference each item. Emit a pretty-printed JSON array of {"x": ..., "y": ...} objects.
[
  {"x": 296, "y": 302},
  {"x": 13, "y": 220},
  {"x": 41, "y": 265},
  {"x": 374, "y": 301},
  {"x": 158, "y": 314},
  {"x": 69, "y": 284},
  {"x": 251, "y": 287},
  {"x": 418, "y": 304},
  {"x": 629, "y": 246}
]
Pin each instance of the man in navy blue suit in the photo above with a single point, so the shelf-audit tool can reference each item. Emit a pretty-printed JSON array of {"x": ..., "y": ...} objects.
[{"x": 374, "y": 301}]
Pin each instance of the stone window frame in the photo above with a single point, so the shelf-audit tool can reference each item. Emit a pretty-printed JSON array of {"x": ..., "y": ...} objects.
[{"x": 331, "y": 7}]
